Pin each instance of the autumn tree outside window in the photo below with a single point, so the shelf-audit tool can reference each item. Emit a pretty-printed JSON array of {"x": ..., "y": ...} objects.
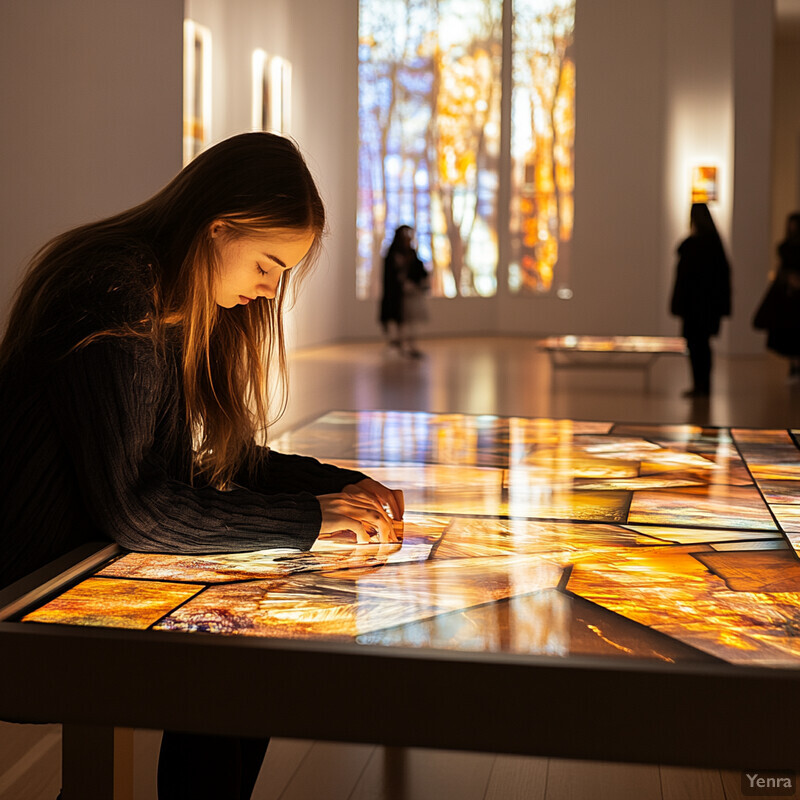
[{"x": 431, "y": 140}]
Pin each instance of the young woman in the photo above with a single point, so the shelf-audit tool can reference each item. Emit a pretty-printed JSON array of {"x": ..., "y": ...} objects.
[
  {"x": 133, "y": 394},
  {"x": 702, "y": 294}
]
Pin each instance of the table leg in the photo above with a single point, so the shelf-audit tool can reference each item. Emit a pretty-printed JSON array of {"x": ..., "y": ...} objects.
[
  {"x": 97, "y": 763},
  {"x": 394, "y": 772},
  {"x": 647, "y": 367}
]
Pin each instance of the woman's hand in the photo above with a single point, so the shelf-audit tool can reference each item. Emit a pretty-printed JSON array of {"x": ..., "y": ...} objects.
[
  {"x": 390, "y": 499},
  {"x": 356, "y": 511}
]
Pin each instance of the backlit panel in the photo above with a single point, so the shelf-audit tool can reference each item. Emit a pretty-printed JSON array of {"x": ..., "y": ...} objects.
[
  {"x": 429, "y": 85},
  {"x": 615, "y": 344},
  {"x": 553, "y": 537},
  {"x": 542, "y": 145}
]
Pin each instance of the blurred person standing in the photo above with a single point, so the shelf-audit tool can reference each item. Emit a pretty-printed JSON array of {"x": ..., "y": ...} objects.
[
  {"x": 702, "y": 294},
  {"x": 405, "y": 287},
  {"x": 779, "y": 312}
]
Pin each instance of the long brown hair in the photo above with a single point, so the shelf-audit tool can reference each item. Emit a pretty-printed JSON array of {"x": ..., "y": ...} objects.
[{"x": 252, "y": 182}]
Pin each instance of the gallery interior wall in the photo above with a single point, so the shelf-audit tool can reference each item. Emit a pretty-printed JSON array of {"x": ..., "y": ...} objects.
[
  {"x": 96, "y": 94},
  {"x": 753, "y": 35},
  {"x": 786, "y": 131},
  {"x": 91, "y": 115},
  {"x": 659, "y": 86},
  {"x": 319, "y": 40},
  {"x": 655, "y": 89}
]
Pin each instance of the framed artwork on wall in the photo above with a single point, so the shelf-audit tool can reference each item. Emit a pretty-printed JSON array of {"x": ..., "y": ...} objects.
[{"x": 704, "y": 184}]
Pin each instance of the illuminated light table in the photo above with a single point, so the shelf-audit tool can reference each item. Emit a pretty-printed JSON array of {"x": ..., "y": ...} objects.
[
  {"x": 571, "y": 589},
  {"x": 619, "y": 352}
]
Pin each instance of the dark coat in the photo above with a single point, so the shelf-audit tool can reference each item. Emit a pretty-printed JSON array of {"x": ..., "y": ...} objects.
[
  {"x": 779, "y": 311},
  {"x": 702, "y": 293},
  {"x": 396, "y": 272}
]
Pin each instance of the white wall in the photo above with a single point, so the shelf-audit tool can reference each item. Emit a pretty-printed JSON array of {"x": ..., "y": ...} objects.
[
  {"x": 698, "y": 122},
  {"x": 786, "y": 134},
  {"x": 618, "y": 244},
  {"x": 751, "y": 220},
  {"x": 319, "y": 39},
  {"x": 95, "y": 95},
  {"x": 325, "y": 109},
  {"x": 90, "y": 94},
  {"x": 656, "y": 92}
]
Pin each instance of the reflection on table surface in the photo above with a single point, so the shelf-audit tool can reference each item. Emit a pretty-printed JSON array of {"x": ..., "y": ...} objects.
[
  {"x": 615, "y": 344},
  {"x": 552, "y": 537}
]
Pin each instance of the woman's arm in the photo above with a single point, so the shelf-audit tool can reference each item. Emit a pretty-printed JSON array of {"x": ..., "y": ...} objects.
[
  {"x": 108, "y": 397},
  {"x": 274, "y": 473},
  {"x": 279, "y": 472}
]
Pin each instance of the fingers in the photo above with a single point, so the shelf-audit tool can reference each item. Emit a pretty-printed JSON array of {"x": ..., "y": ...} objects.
[
  {"x": 400, "y": 502},
  {"x": 390, "y": 499},
  {"x": 358, "y": 513},
  {"x": 348, "y": 553}
]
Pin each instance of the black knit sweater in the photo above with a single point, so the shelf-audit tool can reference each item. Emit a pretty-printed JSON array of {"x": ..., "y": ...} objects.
[{"x": 93, "y": 444}]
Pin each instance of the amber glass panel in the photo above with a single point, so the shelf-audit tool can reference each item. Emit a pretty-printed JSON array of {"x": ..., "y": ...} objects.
[
  {"x": 429, "y": 138},
  {"x": 542, "y": 146},
  {"x": 114, "y": 603},
  {"x": 554, "y": 537}
]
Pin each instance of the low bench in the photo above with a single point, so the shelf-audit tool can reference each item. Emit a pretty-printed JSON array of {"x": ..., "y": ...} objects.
[{"x": 618, "y": 352}]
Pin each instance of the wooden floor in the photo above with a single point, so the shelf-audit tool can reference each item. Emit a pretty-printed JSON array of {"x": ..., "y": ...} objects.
[{"x": 504, "y": 376}]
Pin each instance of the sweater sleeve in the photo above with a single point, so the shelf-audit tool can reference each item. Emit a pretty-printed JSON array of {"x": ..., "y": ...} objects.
[
  {"x": 107, "y": 397},
  {"x": 281, "y": 472}
]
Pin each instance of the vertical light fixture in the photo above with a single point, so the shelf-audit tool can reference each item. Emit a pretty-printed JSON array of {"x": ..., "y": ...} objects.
[
  {"x": 271, "y": 93},
  {"x": 260, "y": 100},
  {"x": 281, "y": 84},
  {"x": 196, "y": 88}
]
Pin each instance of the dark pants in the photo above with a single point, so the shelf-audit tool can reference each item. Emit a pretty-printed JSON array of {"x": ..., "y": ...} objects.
[
  {"x": 700, "y": 358},
  {"x": 200, "y": 767}
]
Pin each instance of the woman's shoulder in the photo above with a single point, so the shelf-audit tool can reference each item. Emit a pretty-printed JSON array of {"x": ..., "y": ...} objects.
[
  {"x": 693, "y": 242},
  {"x": 114, "y": 283},
  {"x": 107, "y": 289},
  {"x": 789, "y": 252},
  {"x": 116, "y": 265},
  {"x": 704, "y": 249}
]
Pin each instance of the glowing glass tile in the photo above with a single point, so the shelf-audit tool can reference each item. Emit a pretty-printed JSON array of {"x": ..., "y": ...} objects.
[
  {"x": 674, "y": 434},
  {"x": 114, "y": 603},
  {"x": 543, "y": 623},
  {"x": 780, "y": 491},
  {"x": 563, "y": 543},
  {"x": 420, "y": 534},
  {"x": 672, "y": 591},
  {"x": 773, "y": 458},
  {"x": 523, "y": 536},
  {"x": 542, "y": 145},
  {"x": 715, "y": 506},
  {"x": 616, "y": 344},
  {"x": 346, "y": 603},
  {"x": 677, "y": 535}
]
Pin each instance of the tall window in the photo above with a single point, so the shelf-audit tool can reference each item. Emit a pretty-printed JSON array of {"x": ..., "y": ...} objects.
[
  {"x": 542, "y": 136},
  {"x": 431, "y": 143}
]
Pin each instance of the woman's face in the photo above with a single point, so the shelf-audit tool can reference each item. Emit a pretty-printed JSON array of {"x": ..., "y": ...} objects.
[{"x": 252, "y": 266}]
